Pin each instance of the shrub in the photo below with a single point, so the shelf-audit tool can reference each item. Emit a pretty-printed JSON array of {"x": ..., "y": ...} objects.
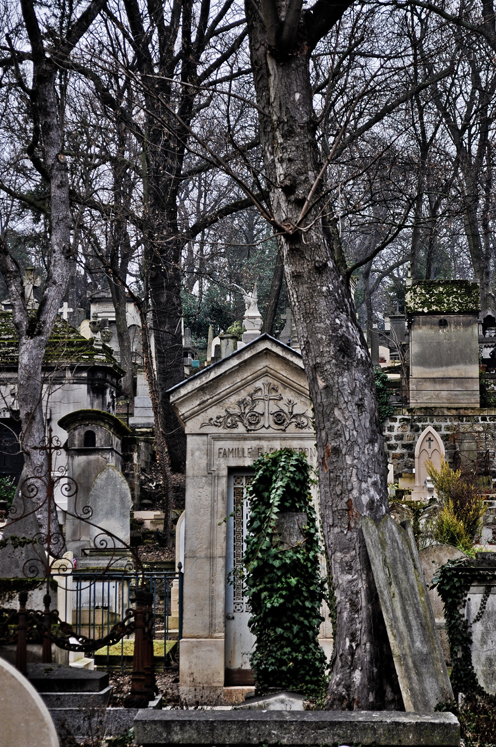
[{"x": 462, "y": 507}]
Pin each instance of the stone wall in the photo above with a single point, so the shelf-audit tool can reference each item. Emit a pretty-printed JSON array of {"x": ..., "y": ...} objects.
[{"x": 469, "y": 435}]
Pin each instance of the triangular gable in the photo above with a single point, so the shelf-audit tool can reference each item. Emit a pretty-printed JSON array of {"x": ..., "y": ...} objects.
[{"x": 261, "y": 387}]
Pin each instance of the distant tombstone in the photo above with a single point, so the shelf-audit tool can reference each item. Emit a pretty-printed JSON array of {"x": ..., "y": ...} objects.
[
  {"x": 227, "y": 344},
  {"x": 468, "y": 451},
  {"x": 429, "y": 448},
  {"x": 415, "y": 644},
  {"x": 444, "y": 343},
  {"x": 110, "y": 501},
  {"x": 24, "y": 718},
  {"x": 374, "y": 345},
  {"x": 27, "y": 560},
  {"x": 143, "y": 410}
]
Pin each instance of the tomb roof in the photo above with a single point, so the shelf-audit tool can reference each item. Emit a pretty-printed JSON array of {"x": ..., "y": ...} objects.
[
  {"x": 65, "y": 345},
  {"x": 254, "y": 347},
  {"x": 264, "y": 368},
  {"x": 94, "y": 417}
]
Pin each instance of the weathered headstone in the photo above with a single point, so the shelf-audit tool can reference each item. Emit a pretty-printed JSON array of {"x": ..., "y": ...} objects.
[
  {"x": 481, "y": 615},
  {"x": 110, "y": 499},
  {"x": 24, "y": 717},
  {"x": 414, "y": 640},
  {"x": 444, "y": 343},
  {"x": 431, "y": 559},
  {"x": 22, "y": 560}
]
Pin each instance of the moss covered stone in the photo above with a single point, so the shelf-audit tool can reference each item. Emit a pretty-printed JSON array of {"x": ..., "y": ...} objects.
[
  {"x": 65, "y": 346},
  {"x": 442, "y": 297}
]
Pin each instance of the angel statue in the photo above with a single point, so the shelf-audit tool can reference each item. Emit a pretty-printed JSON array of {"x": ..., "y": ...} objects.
[{"x": 250, "y": 299}]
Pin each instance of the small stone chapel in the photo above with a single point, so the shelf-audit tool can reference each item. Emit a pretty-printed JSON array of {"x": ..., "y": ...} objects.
[{"x": 252, "y": 402}]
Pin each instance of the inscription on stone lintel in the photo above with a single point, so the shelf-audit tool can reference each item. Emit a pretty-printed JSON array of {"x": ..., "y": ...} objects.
[
  {"x": 253, "y": 452},
  {"x": 255, "y": 412}
]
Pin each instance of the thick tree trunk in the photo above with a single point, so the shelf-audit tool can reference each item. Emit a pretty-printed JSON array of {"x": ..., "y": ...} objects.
[
  {"x": 472, "y": 232},
  {"x": 352, "y": 465},
  {"x": 165, "y": 292},
  {"x": 275, "y": 292}
]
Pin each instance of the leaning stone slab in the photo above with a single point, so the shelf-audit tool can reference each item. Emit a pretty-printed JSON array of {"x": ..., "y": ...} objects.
[
  {"x": 383, "y": 729},
  {"x": 275, "y": 702},
  {"x": 414, "y": 639}
]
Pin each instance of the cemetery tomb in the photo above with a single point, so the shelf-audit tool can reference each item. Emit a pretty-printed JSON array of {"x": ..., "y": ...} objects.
[
  {"x": 94, "y": 455},
  {"x": 254, "y": 402},
  {"x": 444, "y": 343}
]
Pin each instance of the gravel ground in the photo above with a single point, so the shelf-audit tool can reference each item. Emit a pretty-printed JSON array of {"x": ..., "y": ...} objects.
[{"x": 167, "y": 684}]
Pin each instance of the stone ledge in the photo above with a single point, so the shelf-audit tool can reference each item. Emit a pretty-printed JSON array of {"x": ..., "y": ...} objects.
[{"x": 381, "y": 728}]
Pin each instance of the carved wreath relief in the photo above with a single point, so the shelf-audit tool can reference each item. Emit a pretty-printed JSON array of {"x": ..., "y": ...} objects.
[{"x": 254, "y": 412}]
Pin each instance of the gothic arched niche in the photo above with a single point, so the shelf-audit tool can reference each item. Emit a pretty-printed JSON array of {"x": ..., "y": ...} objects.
[{"x": 429, "y": 447}]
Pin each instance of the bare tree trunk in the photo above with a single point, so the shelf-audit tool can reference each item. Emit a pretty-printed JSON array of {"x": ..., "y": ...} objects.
[
  {"x": 34, "y": 327},
  {"x": 352, "y": 465},
  {"x": 126, "y": 358}
]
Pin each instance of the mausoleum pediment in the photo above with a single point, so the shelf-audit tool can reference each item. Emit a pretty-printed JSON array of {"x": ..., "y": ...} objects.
[{"x": 260, "y": 388}]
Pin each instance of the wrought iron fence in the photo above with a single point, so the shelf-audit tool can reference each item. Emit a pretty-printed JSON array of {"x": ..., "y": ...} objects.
[{"x": 92, "y": 603}]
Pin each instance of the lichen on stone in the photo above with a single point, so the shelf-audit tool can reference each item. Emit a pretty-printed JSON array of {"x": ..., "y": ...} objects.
[{"x": 442, "y": 297}]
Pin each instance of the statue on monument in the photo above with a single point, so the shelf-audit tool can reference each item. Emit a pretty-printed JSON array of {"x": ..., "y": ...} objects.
[{"x": 250, "y": 299}]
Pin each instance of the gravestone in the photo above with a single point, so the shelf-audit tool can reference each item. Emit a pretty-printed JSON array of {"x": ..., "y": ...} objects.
[
  {"x": 16, "y": 561},
  {"x": 254, "y": 402},
  {"x": 429, "y": 448},
  {"x": 431, "y": 559},
  {"x": 143, "y": 410},
  {"x": 24, "y": 718},
  {"x": 110, "y": 499},
  {"x": 412, "y": 633}
]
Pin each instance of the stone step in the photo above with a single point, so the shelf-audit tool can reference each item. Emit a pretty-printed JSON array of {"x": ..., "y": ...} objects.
[
  {"x": 52, "y": 678},
  {"x": 78, "y": 699}
]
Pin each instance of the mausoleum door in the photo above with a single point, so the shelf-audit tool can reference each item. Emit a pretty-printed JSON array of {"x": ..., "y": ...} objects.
[{"x": 239, "y": 640}]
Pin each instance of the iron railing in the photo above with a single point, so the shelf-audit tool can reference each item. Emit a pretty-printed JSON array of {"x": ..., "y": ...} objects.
[{"x": 93, "y": 603}]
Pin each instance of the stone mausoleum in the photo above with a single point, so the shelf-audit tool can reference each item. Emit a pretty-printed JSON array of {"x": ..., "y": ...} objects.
[{"x": 252, "y": 402}]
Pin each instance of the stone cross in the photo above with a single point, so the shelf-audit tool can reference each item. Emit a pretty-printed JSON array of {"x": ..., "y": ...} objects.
[
  {"x": 266, "y": 397},
  {"x": 64, "y": 311},
  {"x": 430, "y": 441}
]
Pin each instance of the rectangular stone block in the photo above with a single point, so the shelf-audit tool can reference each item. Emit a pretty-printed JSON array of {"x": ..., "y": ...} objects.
[
  {"x": 383, "y": 729},
  {"x": 201, "y": 662}
]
